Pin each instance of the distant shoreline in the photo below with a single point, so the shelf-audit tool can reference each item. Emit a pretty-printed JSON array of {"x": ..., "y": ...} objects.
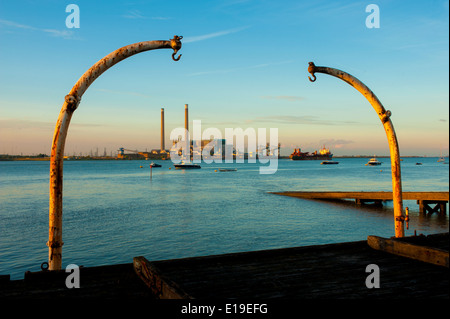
[{"x": 89, "y": 158}]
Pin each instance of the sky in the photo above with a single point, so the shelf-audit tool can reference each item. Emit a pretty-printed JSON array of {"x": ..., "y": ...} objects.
[{"x": 244, "y": 65}]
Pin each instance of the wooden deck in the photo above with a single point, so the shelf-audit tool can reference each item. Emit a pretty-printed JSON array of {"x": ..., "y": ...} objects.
[
  {"x": 102, "y": 282},
  {"x": 435, "y": 196},
  {"x": 334, "y": 271},
  {"x": 424, "y": 199}
]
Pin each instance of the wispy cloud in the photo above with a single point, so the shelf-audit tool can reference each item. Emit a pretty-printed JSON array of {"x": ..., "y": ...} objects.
[
  {"x": 336, "y": 143},
  {"x": 328, "y": 143},
  {"x": 15, "y": 25},
  {"x": 136, "y": 14},
  {"x": 284, "y": 97},
  {"x": 34, "y": 125},
  {"x": 66, "y": 34},
  {"x": 212, "y": 35},
  {"x": 160, "y": 18},
  {"x": 306, "y": 119},
  {"x": 20, "y": 124}
]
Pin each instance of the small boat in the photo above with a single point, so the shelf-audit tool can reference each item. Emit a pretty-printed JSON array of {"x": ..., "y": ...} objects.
[
  {"x": 183, "y": 165},
  {"x": 227, "y": 169},
  {"x": 373, "y": 162},
  {"x": 418, "y": 163},
  {"x": 328, "y": 163},
  {"x": 155, "y": 165},
  {"x": 441, "y": 158}
]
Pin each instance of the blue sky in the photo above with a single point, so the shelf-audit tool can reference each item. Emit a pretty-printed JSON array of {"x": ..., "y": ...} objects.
[{"x": 244, "y": 64}]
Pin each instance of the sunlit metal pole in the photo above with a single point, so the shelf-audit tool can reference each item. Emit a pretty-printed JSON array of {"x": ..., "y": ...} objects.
[
  {"x": 71, "y": 103},
  {"x": 390, "y": 132}
]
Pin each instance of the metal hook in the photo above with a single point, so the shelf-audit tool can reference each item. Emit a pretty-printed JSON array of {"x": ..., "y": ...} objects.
[
  {"x": 312, "y": 70},
  {"x": 174, "y": 58},
  {"x": 175, "y": 43}
]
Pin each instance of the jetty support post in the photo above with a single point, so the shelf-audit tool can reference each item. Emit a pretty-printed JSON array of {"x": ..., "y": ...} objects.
[
  {"x": 390, "y": 132},
  {"x": 440, "y": 207},
  {"x": 72, "y": 100}
]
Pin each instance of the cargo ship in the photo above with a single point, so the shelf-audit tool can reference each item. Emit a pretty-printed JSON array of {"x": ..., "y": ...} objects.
[{"x": 323, "y": 154}]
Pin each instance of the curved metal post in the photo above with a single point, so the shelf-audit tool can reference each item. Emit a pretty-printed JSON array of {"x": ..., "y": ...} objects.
[
  {"x": 390, "y": 132},
  {"x": 71, "y": 103}
]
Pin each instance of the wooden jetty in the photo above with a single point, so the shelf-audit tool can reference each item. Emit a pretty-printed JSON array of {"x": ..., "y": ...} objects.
[
  {"x": 424, "y": 199},
  {"x": 331, "y": 271}
]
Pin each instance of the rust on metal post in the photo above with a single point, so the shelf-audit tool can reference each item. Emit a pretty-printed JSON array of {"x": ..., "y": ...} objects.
[
  {"x": 385, "y": 117},
  {"x": 71, "y": 102}
]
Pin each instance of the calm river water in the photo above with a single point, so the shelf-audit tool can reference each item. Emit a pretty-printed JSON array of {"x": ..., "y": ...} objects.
[{"x": 114, "y": 212}]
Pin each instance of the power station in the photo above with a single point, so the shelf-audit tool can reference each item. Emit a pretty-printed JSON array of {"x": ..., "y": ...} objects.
[
  {"x": 164, "y": 154},
  {"x": 161, "y": 153}
]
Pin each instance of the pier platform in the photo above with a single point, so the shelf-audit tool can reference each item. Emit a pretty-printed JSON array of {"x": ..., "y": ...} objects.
[
  {"x": 424, "y": 199},
  {"x": 331, "y": 271}
]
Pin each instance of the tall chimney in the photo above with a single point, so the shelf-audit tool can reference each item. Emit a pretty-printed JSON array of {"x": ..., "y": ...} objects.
[
  {"x": 162, "y": 130},
  {"x": 186, "y": 117},
  {"x": 186, "y": 126}
]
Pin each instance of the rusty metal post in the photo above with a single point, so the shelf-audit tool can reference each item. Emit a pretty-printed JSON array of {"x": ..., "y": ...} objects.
[
  {"x": 71, "y": 103},
  {"x": 390, "y": 132}
]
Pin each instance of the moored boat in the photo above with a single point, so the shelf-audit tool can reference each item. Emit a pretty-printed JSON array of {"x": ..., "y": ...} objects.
[
  {"x": 373, "y": 162},
  {"x": 184, "y": 165},
  {"x": 322, "y": 154},
  {"x": 441, "y": 158},
  {"x": 154, "y": 165},
  {"x": 329, "y": 163}
]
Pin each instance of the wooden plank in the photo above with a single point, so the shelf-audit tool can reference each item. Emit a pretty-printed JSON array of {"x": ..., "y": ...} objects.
[
  {"x": 422, "y": 253},
  {"x": 430, "y": 196},
  {"x": 161, "y": 286}
]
